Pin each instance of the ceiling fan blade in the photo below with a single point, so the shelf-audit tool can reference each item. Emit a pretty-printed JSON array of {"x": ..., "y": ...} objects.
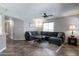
[
  {"x": 50, "y": 15},
  {"x": 45, "y": 15}
]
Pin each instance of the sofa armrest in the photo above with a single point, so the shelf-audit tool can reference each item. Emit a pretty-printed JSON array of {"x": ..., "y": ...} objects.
[{"x": 63, "y": 38}]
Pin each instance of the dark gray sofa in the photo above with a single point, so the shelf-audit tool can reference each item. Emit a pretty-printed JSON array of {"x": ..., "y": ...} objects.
[{"x": 51, "y": 37}]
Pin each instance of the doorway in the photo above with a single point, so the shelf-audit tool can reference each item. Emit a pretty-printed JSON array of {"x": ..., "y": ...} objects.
[{"x": 9, "y": 24}]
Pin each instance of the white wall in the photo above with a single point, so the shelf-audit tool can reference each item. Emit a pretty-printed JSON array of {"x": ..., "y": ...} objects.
[
  {"x": 2, "y": 42},
  {"x": 62, "y": 24},
  {"x": 2, "y": 35}
]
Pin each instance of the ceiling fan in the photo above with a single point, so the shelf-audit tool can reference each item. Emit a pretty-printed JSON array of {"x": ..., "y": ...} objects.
[{"x": 45, "y": 15}]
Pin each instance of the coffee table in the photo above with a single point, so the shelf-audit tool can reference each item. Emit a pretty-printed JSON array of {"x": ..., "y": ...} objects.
[{"x": 40, "y": 38}]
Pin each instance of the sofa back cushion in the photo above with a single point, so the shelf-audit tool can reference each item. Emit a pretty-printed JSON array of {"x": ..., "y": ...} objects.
[
  {"x": 53, "y": 34},
  {"x": 34, "y": 33}
]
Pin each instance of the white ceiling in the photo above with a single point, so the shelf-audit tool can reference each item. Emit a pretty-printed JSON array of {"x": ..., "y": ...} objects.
[{"x": 34, "y": 10}]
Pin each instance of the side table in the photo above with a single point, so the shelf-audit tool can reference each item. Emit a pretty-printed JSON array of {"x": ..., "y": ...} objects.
[{"x": 72, "y": 40}]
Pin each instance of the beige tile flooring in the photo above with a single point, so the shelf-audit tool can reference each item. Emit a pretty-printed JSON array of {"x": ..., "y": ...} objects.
[{"x": 23, "y": 48}]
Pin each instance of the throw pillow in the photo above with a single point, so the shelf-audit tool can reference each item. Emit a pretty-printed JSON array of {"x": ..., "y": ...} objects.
[{"x": 59, "y": 34}]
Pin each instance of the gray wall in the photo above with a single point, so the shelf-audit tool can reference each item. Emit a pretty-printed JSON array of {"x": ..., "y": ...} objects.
[
  {"x": 27, "y": 24},
  {"x": 18, "y": 29},
  {"x": 62, "y": 25}
]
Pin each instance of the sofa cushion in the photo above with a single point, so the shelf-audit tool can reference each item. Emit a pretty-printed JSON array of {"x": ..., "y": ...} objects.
[
  {"x": 53, "y": 34},
  {"x": 34, "y": 33},
  {"x": 56, "y": 38}
]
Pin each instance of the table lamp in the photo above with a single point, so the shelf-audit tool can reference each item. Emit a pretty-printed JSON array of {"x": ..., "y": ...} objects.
[{"x": 72, "y": 29}]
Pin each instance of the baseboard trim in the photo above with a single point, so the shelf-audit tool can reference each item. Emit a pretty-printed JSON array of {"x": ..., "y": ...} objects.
[
  {"x": 59, "y": 48},
  {"x": 2, "y": 49}
]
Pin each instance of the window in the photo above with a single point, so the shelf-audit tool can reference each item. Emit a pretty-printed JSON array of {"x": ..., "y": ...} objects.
[{"x": 48, "y": 27}]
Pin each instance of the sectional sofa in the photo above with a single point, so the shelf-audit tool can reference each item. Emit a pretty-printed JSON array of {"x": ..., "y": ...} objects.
[{"x": 57, "y": 38}]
